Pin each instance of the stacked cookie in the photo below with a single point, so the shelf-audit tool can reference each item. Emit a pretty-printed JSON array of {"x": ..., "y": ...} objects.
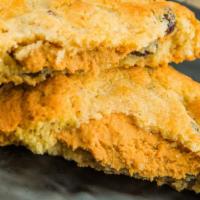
[{"x": 89, "y": 80}]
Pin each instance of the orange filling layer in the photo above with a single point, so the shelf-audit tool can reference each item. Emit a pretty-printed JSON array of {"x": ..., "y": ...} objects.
[
  {"x": 117, "y": 143},
  {"x": 56, "y": 58}
]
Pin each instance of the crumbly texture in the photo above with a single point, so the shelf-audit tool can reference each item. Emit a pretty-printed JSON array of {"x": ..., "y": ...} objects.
[
  {"x": 39, "y": 38},
  {"x": 131, "y": 121}
]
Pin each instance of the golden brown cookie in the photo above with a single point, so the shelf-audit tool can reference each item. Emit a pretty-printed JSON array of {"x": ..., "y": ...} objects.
[
  {"x": 39, "y": 38},
  {"x": 143, "y": 122}
]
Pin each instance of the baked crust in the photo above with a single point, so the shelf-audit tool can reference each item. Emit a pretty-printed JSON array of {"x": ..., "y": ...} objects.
[
  {"x": 38, "y": 38},
  {"x": 117, "y": 121}
]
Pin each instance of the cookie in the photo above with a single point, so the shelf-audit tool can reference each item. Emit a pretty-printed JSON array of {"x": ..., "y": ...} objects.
[
  {"x": 40, "y": 38},
  {"x": 142, "y": 122}
]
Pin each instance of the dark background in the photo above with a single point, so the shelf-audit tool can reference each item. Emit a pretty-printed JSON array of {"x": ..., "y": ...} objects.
[{"x": 24, "y": 176}]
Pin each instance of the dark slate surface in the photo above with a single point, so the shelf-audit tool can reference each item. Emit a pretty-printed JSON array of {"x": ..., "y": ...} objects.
[{"x": 24, "y": 176}]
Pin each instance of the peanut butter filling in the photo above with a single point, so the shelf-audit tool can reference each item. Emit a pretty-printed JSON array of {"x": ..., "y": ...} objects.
[
  {"x": 35, "y": 57},
  {"x": 116, "y": 142}
]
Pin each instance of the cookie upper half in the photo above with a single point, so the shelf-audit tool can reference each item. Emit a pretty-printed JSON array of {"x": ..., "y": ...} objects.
[
  {"x": 39, "y": 38},
  {"x": 160, "y": 100}
]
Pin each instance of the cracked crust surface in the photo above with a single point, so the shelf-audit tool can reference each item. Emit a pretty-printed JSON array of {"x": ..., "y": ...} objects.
[
  {"x": 38, "y": 38},
  {"x": 119, "y": 121}
]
